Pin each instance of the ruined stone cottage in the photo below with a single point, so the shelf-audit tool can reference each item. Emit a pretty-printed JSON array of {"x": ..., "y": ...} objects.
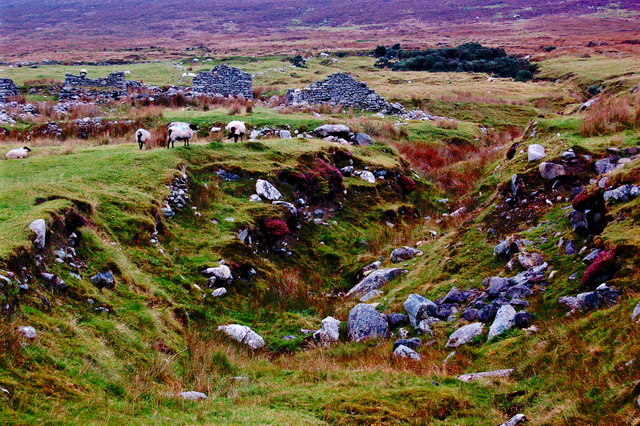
[
  {"x": 342, "y": 89},
  {"x": 7, "y": 89},
  {"x": 112, "y": 86},
  {"x": 224, "y": 80}
]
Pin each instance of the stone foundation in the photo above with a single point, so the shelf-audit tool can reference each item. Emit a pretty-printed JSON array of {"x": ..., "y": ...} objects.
[
  {"x": 224, "y": 80},
  {"x": 7, "y": 89}
]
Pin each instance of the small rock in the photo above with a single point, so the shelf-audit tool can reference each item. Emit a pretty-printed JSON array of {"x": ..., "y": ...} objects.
[
  {"x": 536, "y": 152},
  {"x": 464, "y": 335},
  {"x": 361, "y": 139},
  {"x": 485, "y": 374},
  {"x": 368, "y": 176},
  {"x": 39, "y": 226},
  {"x": 192, "y": 395},
  {"x": 243, "y": 334},
  {"x": 364, "y": 322},
  {"x": 504, "y": 321},
  {"x": 455, "y": 295},
  {"x": 413, "y": 343},
  {"x": 329, "y": 333},
  {"x": 515, "y": 420},
  {"x": 419, "y": 308},
  {"x": 374, "y": 281},
  {"x": 404, "y": 253},
  {"x": 370, "y": 295},
  {"x": 219, "y": 292},
  {"x": 405, "y": 352},
  {"x": 636, "y": 312},
  {"x": 28, "y": 331},
  {"x": 551, "y": 170},
  {"x": 267, "y": 191},
  {"x": 103, "y": 280},
  {"x": 604, "y": 165}
]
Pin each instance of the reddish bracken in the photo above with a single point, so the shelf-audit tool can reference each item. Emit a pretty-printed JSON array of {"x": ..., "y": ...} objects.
[
  {"x": 407, "y": 185},
  {"x": 601, "y": 270},
  {"x": 275, "y": 229}
]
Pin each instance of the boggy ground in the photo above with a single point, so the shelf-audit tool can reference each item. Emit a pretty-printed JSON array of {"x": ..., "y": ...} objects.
[{"x": 123, "y": 356}]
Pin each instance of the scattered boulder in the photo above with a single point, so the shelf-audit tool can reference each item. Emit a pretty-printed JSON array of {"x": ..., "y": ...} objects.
[
  {"x": 374, "y": 281},
  {"x": 551, "y": 170},
  {"x": 267, "y": 191},
  {"x": 336, "y": 130},
  {"x": 39, "y": 226},
  {"x": 361, "y": 139},
  {"x": 192, "y": 395},
  {"x": 604, "y": 165},
  {"x": 589, "y": 301},
  {"x": 504, "y": 321},
  {"x": 368, "y": 176},
  {"x": 464, "y": 334},
  {"x": 329, "y": 333},
  {"x": 497, "y": 285},
  {"x": 103, "y": 280},
  {"x": 219, "y": 292},
  {"x": 405, "y": 352},
  {"x": 365, "y": 322},
  {"x": 404, "y": 253},
  {"x": 455, "y": 295},
  {"x": 636, "y": 312},
  {"x": 413, "y": 343},
  {"x": 243, "y": 334},
  {"x": 535, "y": 152},
  {"x": 220, "y": 273},
  {"x": 515, "y": 420},
  {"x": 28, "y": 331},
  {"x": 621, "y": 194},
  {"x": 530, "y": 259},
  {"x": 370, "y": 295},
  {"x": 419, "y": 308},
  {"x": 485, "y": 374},
  {"x": 396, "y": 319},
  {"x": 285, "y": 134}
]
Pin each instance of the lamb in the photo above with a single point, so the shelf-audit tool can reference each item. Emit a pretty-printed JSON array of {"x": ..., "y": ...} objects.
[
  {"x": 179, "y": 131},
  {"x": 142, "y": 136},
  {"x": 17, "y": 153},
  {"x": 236, "y": 130}
]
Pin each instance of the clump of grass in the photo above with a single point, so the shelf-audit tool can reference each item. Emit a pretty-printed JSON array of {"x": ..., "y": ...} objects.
[
  {"x": 235, "y": 108},
  {"x": 610, "y": 115},
  {"x": 446, "y": 123}
]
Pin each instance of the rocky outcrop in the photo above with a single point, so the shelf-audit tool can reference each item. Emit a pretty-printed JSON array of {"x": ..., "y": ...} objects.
[
  {"x": 224, "y": 80},
  {"x": 342, "y": 89},
  {"x": 485, "y": 374}
]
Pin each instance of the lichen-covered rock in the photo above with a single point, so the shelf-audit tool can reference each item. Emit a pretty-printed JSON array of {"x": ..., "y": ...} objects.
[
  {"x": 335, "y": 130},
  {"x": 455, "y": 295},
  {"x": 364, "y": 322},
  {"x": 329, "y": 333},
  {"x": 551, "y": 170},
  {"x": 405, "y": 352},
  {"x": 267, "y": 191},
  {"x": 243, "y": 334},
  {"x": 374, "y": 281},
  {"x": 413, "y": 343},
  {"x": 504, "y": 321},
  {"x": 419, "y": 308},
  {"x": 404, "y": 253},
  {"x": 39, "y": 227},
  {"x": 28, "y": 331},
  {"x": 368, "y": 176},
  {"x": 192, "y": 396},
  {"x": 464, "y": 334},
  {"x": 535, "y": 152},
  {"x": 361, "y": 139},
  {"x": 218, "y": 274},
  {"x": 104, "y": 280}
]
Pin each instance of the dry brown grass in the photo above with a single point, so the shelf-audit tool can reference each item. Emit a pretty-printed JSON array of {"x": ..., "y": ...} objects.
[
  {"x": 610, "y": 115},
  {"x": 468, "y": 97},
  {"x": 446, "y": 123}
]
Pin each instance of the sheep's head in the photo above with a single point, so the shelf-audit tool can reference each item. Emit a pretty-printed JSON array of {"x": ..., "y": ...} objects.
[
  {"x": 26, "y": 149},
  {"x": 193, "y": 127}
]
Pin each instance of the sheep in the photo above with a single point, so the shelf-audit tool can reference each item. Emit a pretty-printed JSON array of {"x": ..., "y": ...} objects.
[
  {"x": 179, "y": 131},
  {"x": 17, "y": 153},
  {"x": 142, "y": 136},
  {"x": 236, "y": 130}
]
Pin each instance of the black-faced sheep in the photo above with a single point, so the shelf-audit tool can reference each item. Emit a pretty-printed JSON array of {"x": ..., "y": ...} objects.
[
  {"x": 180, "y": 132},
  {"x": 17, "y": 153},
  {"x": 142, "y": 136},
  {"x": 236, "y": 130}
]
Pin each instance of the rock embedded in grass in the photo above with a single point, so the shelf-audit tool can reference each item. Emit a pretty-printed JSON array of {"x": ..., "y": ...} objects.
[
  {"x": 515, "y": 420},
  {"x": 243, "y": 334},
  {"x": 192, "y": 396},
  {"x": 551, "y": 171},
  {"x": 367, "y": 176},
  {"x": 413, "y": 343},
  {"x": 374, "y": 281},
  {"x": 329, "y": 333},
  {"x": 485, "y": 374},
  {"x": 404, "y": 253},
  {"x": 464, "y": 335},
  {"x": 405, "y": 352},
  {"x": 535, "y": 152},
  {"x": 364, "y": 322},
  {"x": 419, "y": 308},
  {"x": 504, "y": 321},
  {"x": 267, "y": 191},
  {"x": 103, "y": 280},
  {"x": 39, "y": 227},
  {"x": 28, "y": 331}
]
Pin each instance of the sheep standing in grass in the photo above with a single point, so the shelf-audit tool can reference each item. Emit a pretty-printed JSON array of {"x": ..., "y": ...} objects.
[
  {"x": 142, "y": 136},
  {"x": 17, "y": 153},
  {"x": 236, "y": 130},
  {"x": 180, "y": 132}
]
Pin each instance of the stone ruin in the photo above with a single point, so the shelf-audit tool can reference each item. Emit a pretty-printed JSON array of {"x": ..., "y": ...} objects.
[
  {"x": 112, "y": 86},
  {"x": 224, "y": 80},
  {"x": 7, "y": 89},
  {"x": 342, "y": 89}
]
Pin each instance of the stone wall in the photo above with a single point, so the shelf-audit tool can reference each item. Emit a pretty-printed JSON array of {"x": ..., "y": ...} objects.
[
  {"x": 7, "y": 89},
  {"x": 113, "y": 86},
  {"x": 342, "y": 89},
  {"x": 224, "y": 80}
]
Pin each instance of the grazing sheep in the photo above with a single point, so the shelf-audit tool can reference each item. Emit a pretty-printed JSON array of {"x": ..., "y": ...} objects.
[
  {"x": 142, "y": 137},
  {"x": 17, "y": 153},
  {"x": 236, "y": 130},
  {"x": 179, "y": 131}
]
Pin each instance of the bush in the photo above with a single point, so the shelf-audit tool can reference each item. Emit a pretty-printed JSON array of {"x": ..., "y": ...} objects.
[
  {"x": 275, "y": 229},
  {"x": 523, "y": 75},
  {"x": 298, "y": 61},
  {"x": 601, "y": 270},
  {"x": 407, "y": 185}
]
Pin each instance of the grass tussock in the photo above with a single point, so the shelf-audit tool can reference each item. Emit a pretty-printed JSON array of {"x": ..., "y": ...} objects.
[{"x": 610, "y": 115}]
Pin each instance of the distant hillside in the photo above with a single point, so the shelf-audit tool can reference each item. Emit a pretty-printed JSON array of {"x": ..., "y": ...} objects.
[{"x": 56, "y": 26}]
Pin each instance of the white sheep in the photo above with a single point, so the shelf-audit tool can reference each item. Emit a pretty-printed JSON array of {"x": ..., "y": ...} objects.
[
  {"x": 179, "y": 131},
  {"x": 17, "y": 153},
  {"x": 83, "y": 71},
  {"x": 236, "y": 130},
  {"x": 142, "y": 136}
]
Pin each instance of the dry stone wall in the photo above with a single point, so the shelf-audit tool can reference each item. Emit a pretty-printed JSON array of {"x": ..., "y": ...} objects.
[
  {"x": 7, "y": 89},
  {"x": 224, "y": 80},
  {"x": 342, "y": 89},
  {"x": 113, "y": 86}
]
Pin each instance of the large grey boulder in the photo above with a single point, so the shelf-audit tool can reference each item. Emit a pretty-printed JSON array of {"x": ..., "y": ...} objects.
[
  {"x": 535, "y": 152},
  {"x": 374, "y": 281},
  {"x": 504, "y": 321},
  {"x": 405, "y": 352},
  {"x": 551, "y": 170},
  {"x": 497, "y": 285},
  {"x": 464, "y": 334},
  {"x": 364, "y": 322},
  {"x": 404, "y": 253},
  {"x": 621, "y": 194},
  {"x": 267, "y": 191},
  {"x": 329, "y": 333},
  {"x": 243, "y": 334},
  {"x": 419, "y": 308},
  {"x": 361, "y": 139},
  {"x": 39, "y": 227},
  {"x": 337, "y": 130}
]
